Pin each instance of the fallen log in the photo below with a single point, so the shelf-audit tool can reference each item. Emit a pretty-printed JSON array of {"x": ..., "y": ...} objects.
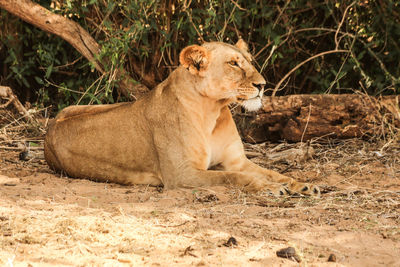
[{"x": 297, "y": 118}]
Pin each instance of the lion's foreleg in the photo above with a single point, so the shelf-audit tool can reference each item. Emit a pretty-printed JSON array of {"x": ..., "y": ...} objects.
[
  {"x": 235, "y": 160},
  {"x": 275, "y": 177},
  {"x": 247, "y": 181}
]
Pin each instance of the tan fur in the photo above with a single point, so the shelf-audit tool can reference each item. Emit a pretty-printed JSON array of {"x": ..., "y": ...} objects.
[{"x": 180, "y": 134}]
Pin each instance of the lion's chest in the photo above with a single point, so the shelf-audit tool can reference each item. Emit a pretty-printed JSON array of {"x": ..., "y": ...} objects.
[
  {"x": 214, "y": 152},
  {"x": 212, "y": 137},
  {"x": 214, "y": 158}
]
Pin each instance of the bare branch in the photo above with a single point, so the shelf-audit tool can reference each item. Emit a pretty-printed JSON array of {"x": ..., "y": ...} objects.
[
  {"x": 340, "y": 25},
  {"x": 373, "y": 54},
  {"x": 302, "y": 63}
]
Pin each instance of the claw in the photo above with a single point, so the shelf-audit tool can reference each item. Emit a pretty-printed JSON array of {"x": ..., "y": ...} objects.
[
  {"x": 316, "y": 191},
  {"x": 305, "y": 188},
  {"x": 279, "y": 190},
  {"x": 287, "y": 190}
]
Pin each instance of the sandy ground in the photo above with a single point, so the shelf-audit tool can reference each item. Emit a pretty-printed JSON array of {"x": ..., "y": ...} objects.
[{"x": 49, "y": 220}]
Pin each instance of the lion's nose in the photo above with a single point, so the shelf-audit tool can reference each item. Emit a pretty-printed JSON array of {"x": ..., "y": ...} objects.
[{"x": 259, "y": 86}]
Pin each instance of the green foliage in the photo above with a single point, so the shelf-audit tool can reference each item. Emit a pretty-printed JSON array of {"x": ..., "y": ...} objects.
[{"x": 145, "y": 36}]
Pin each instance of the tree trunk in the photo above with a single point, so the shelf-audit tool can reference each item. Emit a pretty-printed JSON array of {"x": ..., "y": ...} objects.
[
  {"x": 74, "y": 34},
  {"x": 298, "y": 118}
]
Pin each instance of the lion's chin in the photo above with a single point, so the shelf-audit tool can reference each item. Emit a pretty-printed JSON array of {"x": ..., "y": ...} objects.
[{"x": 252, "y": 104}]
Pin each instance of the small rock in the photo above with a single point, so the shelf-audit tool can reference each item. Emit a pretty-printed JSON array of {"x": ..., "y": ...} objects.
[
  {"x": 7, "y": 233},
  {"x": 231, "y": 242},
  {"x": 25, "y": 156},
  {"x": 8, "y": 181},
  {"x": 288, "y": 253},
  {"x": 3, "y": 218},
  {"x": 10, "y": 184},
  {"x": 332, "y": 258}
]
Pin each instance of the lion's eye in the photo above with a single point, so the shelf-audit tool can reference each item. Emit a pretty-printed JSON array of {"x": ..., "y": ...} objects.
[{"x": 233, "y": 63}]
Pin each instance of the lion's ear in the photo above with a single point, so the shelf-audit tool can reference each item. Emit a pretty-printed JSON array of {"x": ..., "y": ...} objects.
[
  {"x": 242, "y": 45},
  {"x": 195, "y": 58}
]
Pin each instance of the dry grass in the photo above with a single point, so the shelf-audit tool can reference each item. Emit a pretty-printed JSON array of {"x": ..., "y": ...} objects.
[
  {"x": 49, "y": 220},
  {"x": 359, "y": 179}
]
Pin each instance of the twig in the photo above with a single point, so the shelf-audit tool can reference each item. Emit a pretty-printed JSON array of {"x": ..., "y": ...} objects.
[
  {"x": 337, "y": 78},
  {"x": 280, "y": 13},
  {"x": 308, "y": 119},
  {"x": 340, "y": 25},
  {"x": 18, "y": 148},
  {"x": 238, "y": 6},
  {"x": 56, "y": 68},
  {"x": 194, "y": 25},
  {"x": 222, "y": 32},
  {"x": 175, "y": 225},
  {"x": 269, "y": 56}
]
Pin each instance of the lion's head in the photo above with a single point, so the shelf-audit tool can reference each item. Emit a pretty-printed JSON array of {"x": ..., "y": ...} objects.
[{"x": 225, "y": 73}]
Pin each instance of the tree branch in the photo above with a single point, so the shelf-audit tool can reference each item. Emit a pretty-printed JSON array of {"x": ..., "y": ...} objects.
[{"x": 74, "y": 34}]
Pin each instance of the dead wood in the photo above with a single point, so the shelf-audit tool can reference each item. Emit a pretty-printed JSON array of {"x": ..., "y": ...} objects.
[
  {"x": 302, "y": 117},
  {"x": 7, "y": 93},
  {"x": 292, "y": 155},
  {"x": 74, "y": 34}
]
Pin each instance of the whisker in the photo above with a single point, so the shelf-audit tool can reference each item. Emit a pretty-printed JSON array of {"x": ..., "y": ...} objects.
[{"x": 229, "y": 94}]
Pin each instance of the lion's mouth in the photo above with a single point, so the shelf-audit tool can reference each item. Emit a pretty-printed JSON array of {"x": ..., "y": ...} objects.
[
  {"x": 251, "y": 104},
  {"x": 241, "y": 99},
  {"x": 244, "y": 97}
]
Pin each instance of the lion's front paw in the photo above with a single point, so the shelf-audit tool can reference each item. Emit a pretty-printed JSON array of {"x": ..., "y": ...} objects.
[
  {"x": 273, "y": 188},
  {"x": 278, "y": 189},
  {"x": 305, "y": 189}
]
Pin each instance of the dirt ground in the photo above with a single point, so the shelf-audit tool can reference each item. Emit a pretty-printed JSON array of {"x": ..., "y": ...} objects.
[{"x": 47, "y": 219}]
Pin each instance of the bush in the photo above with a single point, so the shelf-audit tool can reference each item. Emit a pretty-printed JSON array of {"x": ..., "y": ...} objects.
[{"x": 145, "y": 38}]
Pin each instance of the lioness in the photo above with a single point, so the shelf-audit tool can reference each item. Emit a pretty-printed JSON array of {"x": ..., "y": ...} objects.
[{"x": 179, "y": 134}]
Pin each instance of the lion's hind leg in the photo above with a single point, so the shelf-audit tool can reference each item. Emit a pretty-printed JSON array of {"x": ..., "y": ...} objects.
[
  {"x": 126, "y": 177},
  {"x": 144, "y": 178}
]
